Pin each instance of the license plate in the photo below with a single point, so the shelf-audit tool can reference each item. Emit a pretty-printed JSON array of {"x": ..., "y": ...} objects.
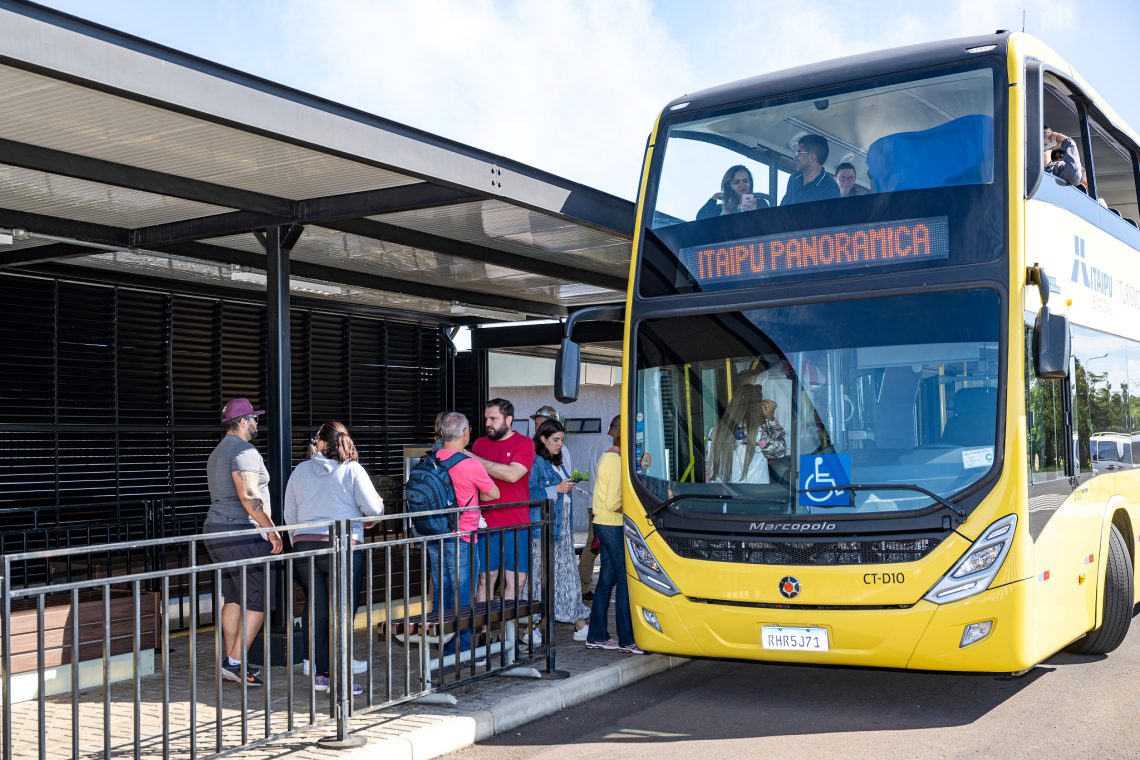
[{"x": 796, "y": 639}]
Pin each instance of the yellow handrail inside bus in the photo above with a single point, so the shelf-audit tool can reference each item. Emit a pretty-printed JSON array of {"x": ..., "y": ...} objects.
[{"x": 689, "y": 471}]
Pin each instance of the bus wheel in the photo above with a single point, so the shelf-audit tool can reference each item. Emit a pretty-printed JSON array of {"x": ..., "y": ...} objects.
[{"x": 1117, "y": 615}]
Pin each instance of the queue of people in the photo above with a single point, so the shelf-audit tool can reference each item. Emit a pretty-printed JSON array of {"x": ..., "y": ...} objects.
[{"x": 502, "y": 467}]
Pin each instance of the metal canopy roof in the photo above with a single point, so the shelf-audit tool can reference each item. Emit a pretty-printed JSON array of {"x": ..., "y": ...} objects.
[{"x": 117, "y": 153}]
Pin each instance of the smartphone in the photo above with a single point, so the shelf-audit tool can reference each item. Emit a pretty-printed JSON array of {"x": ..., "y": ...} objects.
[{"x": 747, "y": 198}]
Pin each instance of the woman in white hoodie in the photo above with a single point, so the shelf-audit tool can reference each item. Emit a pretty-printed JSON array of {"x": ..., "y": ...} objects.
[{"x": 330, "y": 485}]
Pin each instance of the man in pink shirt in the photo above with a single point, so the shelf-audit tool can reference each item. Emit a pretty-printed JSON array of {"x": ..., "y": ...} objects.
[
  {"x": 451, "y": 562},
  {"x": 507, "y": 458}
]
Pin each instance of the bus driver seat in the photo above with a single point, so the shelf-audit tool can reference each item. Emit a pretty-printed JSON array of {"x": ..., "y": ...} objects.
[
  {"x": 959, "y": 152},
  {"x": 975, "y": 415}
]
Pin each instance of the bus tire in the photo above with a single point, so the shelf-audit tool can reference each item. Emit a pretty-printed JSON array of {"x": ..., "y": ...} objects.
[{"x": 1118, "y": 590}]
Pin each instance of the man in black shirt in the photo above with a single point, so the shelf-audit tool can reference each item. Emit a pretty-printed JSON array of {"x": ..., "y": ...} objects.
[{"x": 810, "y": 182}]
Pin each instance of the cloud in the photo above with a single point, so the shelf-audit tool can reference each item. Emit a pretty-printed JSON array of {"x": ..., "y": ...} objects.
[
  {"x": 574, "y": 87},
  {"x": 571, "y": 88}
]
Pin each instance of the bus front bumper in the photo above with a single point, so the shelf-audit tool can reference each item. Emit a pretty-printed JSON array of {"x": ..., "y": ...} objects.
[{"x": 924, "y": 636}]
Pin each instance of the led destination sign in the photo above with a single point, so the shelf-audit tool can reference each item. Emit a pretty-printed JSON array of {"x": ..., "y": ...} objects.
[{"x": 859, "y": 246}]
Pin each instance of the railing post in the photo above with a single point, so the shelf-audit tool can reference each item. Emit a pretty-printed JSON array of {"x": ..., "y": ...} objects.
[
  {"x": 6, "y": 655},
  {"x": 341, "y": 665},
  {"x": 548, "y": 550},
  {"x": 547, "y": 533}
]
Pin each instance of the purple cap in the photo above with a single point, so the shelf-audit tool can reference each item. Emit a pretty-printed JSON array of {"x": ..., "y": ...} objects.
[{"x": 238, "y": 407}]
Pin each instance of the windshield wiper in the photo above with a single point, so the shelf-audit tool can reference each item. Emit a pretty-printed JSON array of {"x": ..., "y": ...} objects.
[
  {"x": 674, "y": 499},
  {"x": 853, "y": 487}
]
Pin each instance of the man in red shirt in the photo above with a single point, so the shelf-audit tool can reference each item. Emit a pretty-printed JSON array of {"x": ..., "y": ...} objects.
[{"x": 507, "y": 457}]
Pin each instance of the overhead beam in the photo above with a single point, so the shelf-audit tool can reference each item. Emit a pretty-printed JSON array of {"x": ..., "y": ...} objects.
[
  {"x": 329, "y": 208},
  {"x": 165, "y": 284},
  {"x": 388, "y": 200},
  {"x": 521, "y": 336},
  {"x": 306, "y": 270},
  {"x": 343, "y": 214},
  {"x": 205, "y": 228},
  {"x": 73, "y": 229},
  {"x": 42, "y": 253},
  {"x": 258, "y": 211},
  {"x": 390, "y": 233},
  {"x": 135, "y": 178}
]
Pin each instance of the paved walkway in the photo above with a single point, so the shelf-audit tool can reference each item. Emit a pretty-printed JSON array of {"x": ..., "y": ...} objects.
[{"x": 485, "y": 707}]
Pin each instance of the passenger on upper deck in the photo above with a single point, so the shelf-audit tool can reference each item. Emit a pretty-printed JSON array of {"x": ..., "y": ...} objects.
[
  {"x": 845, "y": 176},
  {"x": 735, "y": 195},
  {"x": 810, "y": 182},
  {"x": 1067, "y": 165}
]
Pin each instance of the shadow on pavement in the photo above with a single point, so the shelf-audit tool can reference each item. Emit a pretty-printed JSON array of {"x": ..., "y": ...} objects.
[{"x": 727, "y": 700}]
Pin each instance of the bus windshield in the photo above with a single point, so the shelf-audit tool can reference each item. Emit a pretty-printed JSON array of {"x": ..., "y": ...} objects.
[
  {"x": 893, "y": 175},
  {"x": 773, "y": 411},
  {"x": 936, "y": 131}
]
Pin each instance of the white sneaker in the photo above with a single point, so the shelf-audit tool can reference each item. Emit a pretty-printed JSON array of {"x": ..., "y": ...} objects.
[
  {"x": 535, "y": 638},
  {"x": 582, "y": 633},
  {"x": 358, "y": 666}
]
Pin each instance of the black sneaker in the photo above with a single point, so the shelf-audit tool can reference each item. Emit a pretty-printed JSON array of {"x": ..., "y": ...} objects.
[{"x": 233, "y": 673}]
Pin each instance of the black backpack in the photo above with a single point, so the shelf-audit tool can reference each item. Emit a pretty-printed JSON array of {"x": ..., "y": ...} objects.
[{"x": 429, "y": 488}]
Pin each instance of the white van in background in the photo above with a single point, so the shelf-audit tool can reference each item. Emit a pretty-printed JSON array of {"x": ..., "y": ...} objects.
[{"x": 1111, "y": 451}]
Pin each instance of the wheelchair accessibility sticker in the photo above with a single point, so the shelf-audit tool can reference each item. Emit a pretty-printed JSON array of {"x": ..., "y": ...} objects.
[{"x": 821, "y": 476}]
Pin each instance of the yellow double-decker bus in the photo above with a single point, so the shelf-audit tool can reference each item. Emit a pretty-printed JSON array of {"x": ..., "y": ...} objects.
[{"x": 859, "y": 416}]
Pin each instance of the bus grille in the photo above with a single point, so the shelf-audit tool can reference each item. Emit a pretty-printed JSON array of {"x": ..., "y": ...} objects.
[{"x": 779, "y": 552}]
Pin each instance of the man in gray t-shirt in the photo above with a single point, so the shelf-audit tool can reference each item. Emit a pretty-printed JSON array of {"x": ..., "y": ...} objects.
[
  {"x": 239, "y": 499},
  {"x": 233, "y": 454}
]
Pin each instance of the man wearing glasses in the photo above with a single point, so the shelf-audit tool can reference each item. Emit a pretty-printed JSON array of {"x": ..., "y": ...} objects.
[
  {"x": 239, "y": 499},
  {"x": 810, "y": 182}
]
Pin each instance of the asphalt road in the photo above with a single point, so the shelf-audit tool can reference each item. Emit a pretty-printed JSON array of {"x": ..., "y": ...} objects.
[{"x": 1071, "y": 707}]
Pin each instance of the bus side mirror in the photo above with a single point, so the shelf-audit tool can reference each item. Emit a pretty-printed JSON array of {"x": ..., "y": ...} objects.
[
  {"x": 1051, "y": 346},
  {"x": 567, "y": 371},
  {"x": 568, "y": 365}
]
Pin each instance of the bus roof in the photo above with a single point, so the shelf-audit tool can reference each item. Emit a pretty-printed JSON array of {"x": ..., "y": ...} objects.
[
  {"x": 1028, "y": 46},
  {"x": 823, "y": 73},
  {"x": 884, "y": 62}
]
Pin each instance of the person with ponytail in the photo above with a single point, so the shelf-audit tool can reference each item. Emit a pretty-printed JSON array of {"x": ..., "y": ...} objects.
[{"x": 329, "y": 485}]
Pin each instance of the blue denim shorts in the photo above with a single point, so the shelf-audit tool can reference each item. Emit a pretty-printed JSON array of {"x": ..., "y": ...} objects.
[{"x": 515, "y": 550}]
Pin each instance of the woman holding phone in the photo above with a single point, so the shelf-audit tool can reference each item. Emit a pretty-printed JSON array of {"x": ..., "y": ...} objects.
[
  {"x": 550, "y": 479},
  {"x": 735, "y": 195}
]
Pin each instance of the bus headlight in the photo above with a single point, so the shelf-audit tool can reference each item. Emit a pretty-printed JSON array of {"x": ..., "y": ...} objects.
[
  {"x": 977, "y": 568},
  {"x": 648, "y": 568}
]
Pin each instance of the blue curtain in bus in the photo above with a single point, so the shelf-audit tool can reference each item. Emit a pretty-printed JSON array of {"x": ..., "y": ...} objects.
[{"x": 959, "y": 152}]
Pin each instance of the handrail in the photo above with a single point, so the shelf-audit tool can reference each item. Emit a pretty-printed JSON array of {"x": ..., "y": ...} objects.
[{"x": 408, "y": 675}]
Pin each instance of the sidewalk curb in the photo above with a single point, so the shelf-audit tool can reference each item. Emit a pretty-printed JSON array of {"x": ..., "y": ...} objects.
[{"x": 460, "y": 731}]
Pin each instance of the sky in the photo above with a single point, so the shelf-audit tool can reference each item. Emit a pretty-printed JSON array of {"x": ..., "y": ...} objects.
[{"x": 573, "y": 88}]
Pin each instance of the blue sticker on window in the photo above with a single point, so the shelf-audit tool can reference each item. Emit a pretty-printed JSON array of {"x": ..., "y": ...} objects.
[{"x": 821, "y": 479}]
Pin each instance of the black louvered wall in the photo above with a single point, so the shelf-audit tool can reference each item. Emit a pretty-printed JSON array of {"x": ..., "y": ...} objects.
[{"x": 112, "y": 393}]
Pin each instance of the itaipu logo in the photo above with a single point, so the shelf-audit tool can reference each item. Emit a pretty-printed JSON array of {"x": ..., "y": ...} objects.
[
  {"x": 1089, "y": 276},
  {"x": 789, "y": 587}
]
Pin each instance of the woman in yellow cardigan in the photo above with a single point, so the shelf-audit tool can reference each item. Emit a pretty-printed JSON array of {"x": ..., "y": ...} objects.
[{"x": 608, "y": 528}]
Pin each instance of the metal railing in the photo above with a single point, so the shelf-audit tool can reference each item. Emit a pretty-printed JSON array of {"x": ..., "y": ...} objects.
[{"x": 104, "y": 625}]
